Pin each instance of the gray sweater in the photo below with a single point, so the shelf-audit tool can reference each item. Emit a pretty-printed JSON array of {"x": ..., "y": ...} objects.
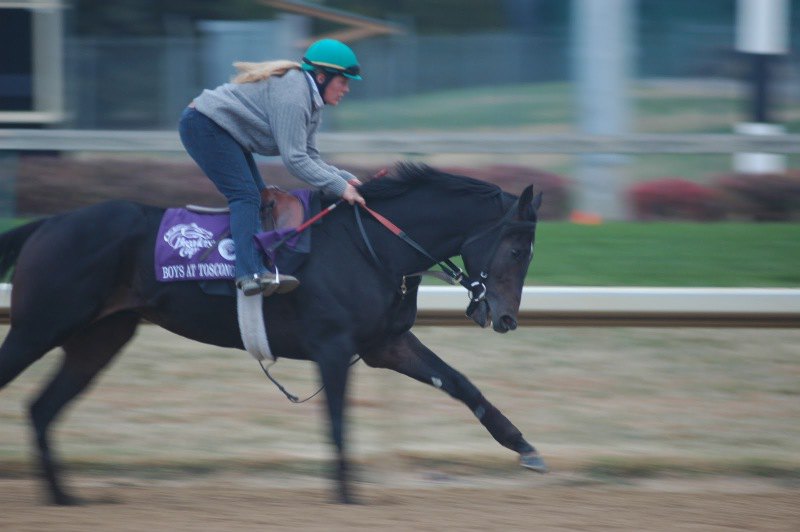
[{"x": 276, "y": 116}]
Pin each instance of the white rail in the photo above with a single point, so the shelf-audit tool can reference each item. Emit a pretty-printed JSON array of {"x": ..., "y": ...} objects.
[
  {"x": 611, "y": 306},
  {"x": 640, "y": 306}
]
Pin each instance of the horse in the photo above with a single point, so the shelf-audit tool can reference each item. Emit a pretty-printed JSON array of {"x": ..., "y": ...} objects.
[{"x": 84, "y": 279}]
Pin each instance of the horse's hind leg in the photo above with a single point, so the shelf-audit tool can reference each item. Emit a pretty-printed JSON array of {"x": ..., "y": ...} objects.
[
  {"x": 20, "y": 350},
  {"x": 87, "y": 352},
  {"x": 407, "y": 355}
]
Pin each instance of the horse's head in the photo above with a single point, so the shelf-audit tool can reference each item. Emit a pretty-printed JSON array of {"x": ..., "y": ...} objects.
[{"x": 497, "y": 259}]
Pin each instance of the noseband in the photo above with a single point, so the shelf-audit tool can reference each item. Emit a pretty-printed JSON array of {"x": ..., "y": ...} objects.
[
  {"x": 451, "y": 272},
  {"x": 504, "y": 226}
]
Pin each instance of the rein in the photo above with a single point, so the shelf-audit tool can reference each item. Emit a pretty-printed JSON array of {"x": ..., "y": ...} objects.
[
  {"x": 450, "y": 273},
  {"x": 290, "y": 396},
  {"x": 449, "y": 268}
]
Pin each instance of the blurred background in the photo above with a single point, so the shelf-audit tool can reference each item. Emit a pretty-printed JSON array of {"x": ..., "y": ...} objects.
[
  {"x": 546, "y": 67},
  {"x": 538, "y": 69},
  {"x": 665, "y": 135}
]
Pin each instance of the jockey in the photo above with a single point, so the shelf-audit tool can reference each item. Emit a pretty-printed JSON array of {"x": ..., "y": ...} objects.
[{"x": 269, "y": 108}]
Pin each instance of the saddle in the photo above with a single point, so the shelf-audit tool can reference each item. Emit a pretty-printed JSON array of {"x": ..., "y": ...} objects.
[
  {"x": 279, "y": 209},
  {"x": 194, "y": 243}
]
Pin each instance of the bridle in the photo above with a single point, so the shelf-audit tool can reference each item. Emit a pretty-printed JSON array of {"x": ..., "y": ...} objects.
[
  {"x": 451, "y": 273},
  {"x": 506, "y": 225}
]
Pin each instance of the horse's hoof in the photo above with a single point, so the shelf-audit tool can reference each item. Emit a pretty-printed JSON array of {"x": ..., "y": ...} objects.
[
  {"x": 346, "y": 498},
  {"x": 62, "y": 499},
  {"x": 533, "y": 461}
]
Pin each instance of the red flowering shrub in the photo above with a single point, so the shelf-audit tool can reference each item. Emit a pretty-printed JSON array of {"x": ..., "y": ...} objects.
[
  {"x": 761, "y": 197},
  {"x": 48, "y": 184},
  {"x": 672, "y": 198}
]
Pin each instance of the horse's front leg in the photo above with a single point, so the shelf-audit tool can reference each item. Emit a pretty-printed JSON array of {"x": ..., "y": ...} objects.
[
  {"x": 334, "y": 364},
  {"x": 407, "y": 355}
]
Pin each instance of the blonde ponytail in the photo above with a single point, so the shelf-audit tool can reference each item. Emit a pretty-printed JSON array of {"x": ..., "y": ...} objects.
[{"x": 252, "y": 72}]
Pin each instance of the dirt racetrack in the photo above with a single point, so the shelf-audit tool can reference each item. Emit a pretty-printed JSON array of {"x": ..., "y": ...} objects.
[
  {"x": 645, "y": 430},
  {"x": 557, "y": 503}
]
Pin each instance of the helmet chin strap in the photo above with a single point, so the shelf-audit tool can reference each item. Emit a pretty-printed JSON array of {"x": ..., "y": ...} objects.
[{"x": 324, "y": 85}]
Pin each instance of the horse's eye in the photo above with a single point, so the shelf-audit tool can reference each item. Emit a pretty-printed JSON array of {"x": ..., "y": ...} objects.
[{"x": 517, "y": 253}]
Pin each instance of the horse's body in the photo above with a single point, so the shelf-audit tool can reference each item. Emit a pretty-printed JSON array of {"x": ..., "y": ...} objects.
[{"x": 84, "y": 279}]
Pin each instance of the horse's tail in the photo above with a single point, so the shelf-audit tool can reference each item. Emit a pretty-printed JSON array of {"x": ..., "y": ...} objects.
[{"x": 11, "y": 243}]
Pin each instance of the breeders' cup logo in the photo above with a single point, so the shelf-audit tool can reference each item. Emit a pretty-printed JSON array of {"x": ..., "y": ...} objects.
[
  {"x": 226, "y": 249},
  {"x": 188, "y": 239}
]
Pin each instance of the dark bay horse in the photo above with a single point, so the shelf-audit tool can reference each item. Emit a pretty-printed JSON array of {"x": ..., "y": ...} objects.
[{"x": 84, "y": 279}]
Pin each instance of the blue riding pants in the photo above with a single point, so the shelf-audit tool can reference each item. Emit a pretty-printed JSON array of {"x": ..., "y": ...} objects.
[{"x": 234, "y": 172}]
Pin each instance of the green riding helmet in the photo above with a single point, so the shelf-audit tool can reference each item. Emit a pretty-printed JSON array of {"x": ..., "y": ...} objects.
[{"x": 332, "y": 56}]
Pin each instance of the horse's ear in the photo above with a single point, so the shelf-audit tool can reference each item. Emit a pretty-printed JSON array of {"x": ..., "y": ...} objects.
[
  {"x": 529, "y": 204},
  {"x": 524, "y": 201}
]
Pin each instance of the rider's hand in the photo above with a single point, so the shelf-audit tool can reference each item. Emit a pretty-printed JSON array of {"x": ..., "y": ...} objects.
[
  {"x": 355, "y": 182},
  {"x": 352, "y": 196}
]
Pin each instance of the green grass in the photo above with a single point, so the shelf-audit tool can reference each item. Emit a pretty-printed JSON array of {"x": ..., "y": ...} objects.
[
  {"x": 486, "y": 107},
  {"x": 656, "y": 109},
  {"x": 667, "y": 254}
]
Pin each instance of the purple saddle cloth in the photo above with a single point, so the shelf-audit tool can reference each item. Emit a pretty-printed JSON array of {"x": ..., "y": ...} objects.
[{"x": 192, "y": 246}]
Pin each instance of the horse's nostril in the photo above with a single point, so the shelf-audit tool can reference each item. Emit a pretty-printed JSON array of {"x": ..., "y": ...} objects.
[{"x": 509, "y": 322}]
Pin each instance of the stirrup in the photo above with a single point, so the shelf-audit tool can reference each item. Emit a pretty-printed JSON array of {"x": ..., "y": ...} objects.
[
  {"x": 283, "y": 283},
  {"x": 257, "y": 284},
  {"x": 249, "y": 287},
  {"x": 286, "y": 283}
]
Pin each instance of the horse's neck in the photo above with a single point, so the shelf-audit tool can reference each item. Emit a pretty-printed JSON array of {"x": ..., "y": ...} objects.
[{"x": 440, "y": 231}]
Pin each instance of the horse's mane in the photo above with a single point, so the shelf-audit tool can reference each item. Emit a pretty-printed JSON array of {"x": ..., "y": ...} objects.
[{"x": 407, "y": 176}]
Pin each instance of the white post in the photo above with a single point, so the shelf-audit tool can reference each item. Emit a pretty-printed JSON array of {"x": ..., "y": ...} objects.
[
  {"x": 48, "y": 61},
  {"x": 762, "y": 34},
  {"x": 602, "y": 37}
]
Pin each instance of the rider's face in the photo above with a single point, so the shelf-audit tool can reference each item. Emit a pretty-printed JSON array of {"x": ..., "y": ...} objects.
[{"x": 336, "y": 89}]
